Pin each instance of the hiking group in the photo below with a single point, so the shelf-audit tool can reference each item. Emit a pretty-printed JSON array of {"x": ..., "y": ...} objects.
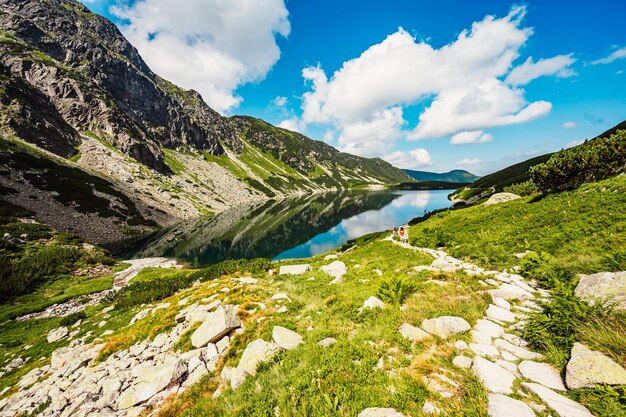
[{"x": 402, "y": 233}]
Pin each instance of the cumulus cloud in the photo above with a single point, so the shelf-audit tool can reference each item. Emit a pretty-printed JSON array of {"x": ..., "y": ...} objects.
[
  {"x": 279, "y": 101},
  {"x": 617, "y": 54},
  {"x": 474, "y": 136},
  {"x": 469, "y": 161},
  {"x": 569, "y": 125},
  {"x": 558, "y": 66},
  {"x": 212, "y": 46},
  {"x": 409, "y": 160},
  {"x": 463, "y": 81},
  {"x": 293, "y": 124}
]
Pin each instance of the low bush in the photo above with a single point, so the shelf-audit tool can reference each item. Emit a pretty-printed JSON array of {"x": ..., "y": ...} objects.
[
  {"x": 522, "y": 189},
  {"x": 395, "y": 290},
  {"x": 72, "y": 318},
  {"x": 594, "y": 160}
]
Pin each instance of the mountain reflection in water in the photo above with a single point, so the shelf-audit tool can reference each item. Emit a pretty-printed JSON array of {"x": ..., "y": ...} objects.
[{"x": 290, "y": 228}]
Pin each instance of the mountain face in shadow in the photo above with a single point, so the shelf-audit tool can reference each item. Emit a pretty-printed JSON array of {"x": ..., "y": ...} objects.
[{"x": 261, "y": 230}]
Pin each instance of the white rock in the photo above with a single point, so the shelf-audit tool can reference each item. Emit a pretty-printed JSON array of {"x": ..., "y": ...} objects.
[
  {"x": 57, "y": 334},
  {"x": 280, "y": 296},
  {"x": 380, "y": 412},
  {"x": 461, "y": 345},
  {"x": 327, "y": 342},
  {"x": 489, "y": 328},
  {"x": 283, "y": 309},
  {"x": 498, "y": 313},
  {"x": 541, "y": 373},
  {"x": 503, "y": 406},
  {"x": 247, "y": 280},
  {"x": 508, "y": 356},
  {"x": 445, "y": 326},
  {"x": 286, "y": 338},
  {"x": 587, "y": 368},
  {"x": 329, "y": 257},
  {"x": 216, "y": 325},
  {"x": 496, "y": 379},
  {"x": 498, "y": 198},
  {"x": 482, "y": 349},
  {"x": 372, "y": 302},
  {"x": 516, "y": 350},
  {"x": 255, "y": 353},
  {"x": 502, "y": 303},
  {"x": 479, "y": 337},
  {"x": 430, "y": 408},
  {"x": 511, "y": 367},
  {"x": 237, "y": 378},
  {"x": 462, "y": 361},
  {"x": 606, "y": 287},
  {"x": 413, "y": 333},
  {"x": 335, "y": 269},
  {"x": 510, "y": 292},
  {"x": 294, "y": 269},
  {"x": 562, "y": 405}
]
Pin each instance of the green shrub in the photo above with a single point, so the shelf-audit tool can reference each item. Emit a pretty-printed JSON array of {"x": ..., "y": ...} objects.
[
  {"x": 395, "y": 290},
  {"x": 594, "y": 160},
  {"x": 72, "y": 318},
  {"x": 522, "y": 189}
]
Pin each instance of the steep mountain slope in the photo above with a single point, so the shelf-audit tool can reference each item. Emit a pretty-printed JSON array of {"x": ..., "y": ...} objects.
[
  {"x": 456, "y": 175},
  {"x": 74, "y": 87}
]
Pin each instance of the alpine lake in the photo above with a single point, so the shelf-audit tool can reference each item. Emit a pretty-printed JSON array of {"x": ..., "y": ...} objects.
[{"x": 289, "y": 228}]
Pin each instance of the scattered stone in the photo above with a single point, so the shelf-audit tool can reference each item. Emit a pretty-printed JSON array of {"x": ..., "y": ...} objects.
[
  {"x": 496, "y": 379},
  {"x": 489, "y": 328},
  {"x": 445, "y": 326},
  {"x": 413, "y": 333},
  {"x": 372, "y": 302},
  {"x": 380, "y": 412},
  {"x": 255, "y": 353},
  {"x": 151, "y": 381},
  {"x": 609, "y": 288},
  {"x": 331, "y": 256},
  {"x": 283, "y": 309},
  {"x": 562, "y": 405},
  {"x": 57, "y": 334},
  {"x": 502, "y": 303},
  {"x": 280, "y": 296},
  {"x": 216, "y": 325},
  {"x": 294, "y": 269},
  {"x": 517, "y": 351},
  {"x": 503, "y": 406},
  {"x": 516, "y": 340},
  {"x": 461, "y": 345},
  {"x": 482, "y": 349},
  {"x": 462, "y": 361},
  {"x": 247, "y": 280},
  {"x": 587, "y": 368},
  {"x": 541, "y": 373},
  {"x": 430, "y": 408},
  {"x": 237, "y": 378},
  {"x": 510, "y": 292},
  {"x": 509, "y": 366},
  {"x": 498, "y": 198},
  {"x": 508, "y": 356},
  {"x": 286, "y": 338},
  {"x": 327, "y": 342},
  {"x": 498, "y": 313},
  {"x": 480, "y": 337}
]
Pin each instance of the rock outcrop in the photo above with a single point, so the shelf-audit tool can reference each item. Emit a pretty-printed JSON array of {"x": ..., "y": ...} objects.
[
  {"x": 608, "y": 288},
  {"x": 588, "y": 368}
]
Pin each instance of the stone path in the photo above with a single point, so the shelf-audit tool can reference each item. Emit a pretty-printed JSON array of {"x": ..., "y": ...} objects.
[
  {"x": 498, "y": 355},
  {"x": 121, "y": 280}
]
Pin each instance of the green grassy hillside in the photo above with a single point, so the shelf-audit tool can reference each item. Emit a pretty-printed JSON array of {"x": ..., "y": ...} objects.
[{"x": 457, "y": 175}]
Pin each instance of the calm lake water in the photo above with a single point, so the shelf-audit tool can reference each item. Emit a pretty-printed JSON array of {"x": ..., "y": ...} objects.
[{"x": 291, "y": 228}]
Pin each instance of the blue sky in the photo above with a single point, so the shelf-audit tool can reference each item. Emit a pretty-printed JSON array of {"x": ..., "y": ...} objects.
[{"x": 426, "y": 85}]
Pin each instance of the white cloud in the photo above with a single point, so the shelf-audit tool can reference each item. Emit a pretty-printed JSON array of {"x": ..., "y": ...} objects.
[
  {"x": 463, "y": 79},
  {"x": 558, "y": 66},
  {"x": 474, "y": 136},
  {"x": 469, "y": 161},
  {"x": 569, "y": 125},
  {"x": 574, "y": 143},
  {"x": 212, "y": 46},
  {"x": 279, "y": 101},
  {"x": 409, "y": 160},
  {"x": 329, "y": 136},
  {"x": 293, "y": 124},
  {"x": 617, "y": 54}
]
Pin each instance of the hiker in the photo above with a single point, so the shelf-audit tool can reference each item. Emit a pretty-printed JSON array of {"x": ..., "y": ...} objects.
[
  {"x": 406, "y": 235},
  {"x": 394, "y": 230},
  {"x": 401, "y": 233}
]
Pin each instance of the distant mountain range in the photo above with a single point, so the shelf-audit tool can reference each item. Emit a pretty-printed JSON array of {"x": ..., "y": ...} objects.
[{"x": 456, "y": 175}]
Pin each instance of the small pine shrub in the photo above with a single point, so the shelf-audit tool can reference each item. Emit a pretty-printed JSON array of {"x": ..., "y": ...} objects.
[
  {"x": 72, "y": 318},
  {"x": 522, "y": 189}
]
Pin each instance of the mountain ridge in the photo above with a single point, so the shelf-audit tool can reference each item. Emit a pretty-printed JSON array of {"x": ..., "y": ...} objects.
[{"x": 455, "y": 175}]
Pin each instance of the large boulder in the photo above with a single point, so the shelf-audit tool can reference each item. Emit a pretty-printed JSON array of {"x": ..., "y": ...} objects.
[
  {"x": 294, "y": 269},
  {"x": 445, "y": 326},
  {"x": 604, "y": 287},
  {"x": 286, "y": 338},
  {"x": 498, "y": 198},
  {"x": 151, "y": 381},
  {"x": 496, "y": 379},
  {"x": 257, "y": 352},
  {"x": 503, "y": 406},
  {"x": 587, "y": 368},
  {"x": 216, "y": 324}
]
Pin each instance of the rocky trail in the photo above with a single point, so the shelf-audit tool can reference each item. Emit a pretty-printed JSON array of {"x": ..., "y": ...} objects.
[{"x": 85, "y": 379}]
